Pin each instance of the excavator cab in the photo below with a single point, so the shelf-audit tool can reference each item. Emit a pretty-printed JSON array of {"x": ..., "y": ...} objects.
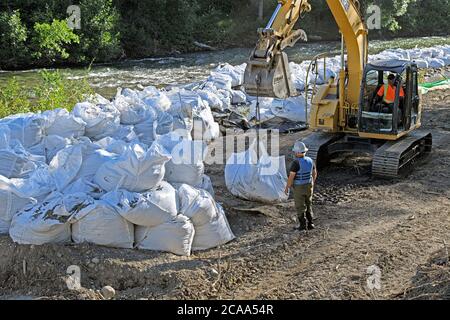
[{"x": 392, "y": 115}]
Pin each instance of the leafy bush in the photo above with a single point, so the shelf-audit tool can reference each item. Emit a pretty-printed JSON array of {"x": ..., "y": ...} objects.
[
  {"x": 51, "y": 92},
  {"x": 50, "y": 40},
  {"x": 14, "y": 99}
]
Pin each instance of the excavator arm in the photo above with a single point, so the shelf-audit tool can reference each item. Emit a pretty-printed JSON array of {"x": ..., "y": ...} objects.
[{"x": 267, "y": 72}]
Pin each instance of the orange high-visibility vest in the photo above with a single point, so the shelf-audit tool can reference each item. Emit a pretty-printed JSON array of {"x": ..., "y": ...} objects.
[{"x": 388, "y": 93}]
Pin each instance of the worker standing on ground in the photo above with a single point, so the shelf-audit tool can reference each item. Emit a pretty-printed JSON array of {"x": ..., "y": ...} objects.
[{"x": 302, "y": 177}]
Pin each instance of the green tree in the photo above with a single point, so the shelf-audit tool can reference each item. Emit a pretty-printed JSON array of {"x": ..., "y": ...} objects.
[
  {"x": 50, "y": 40},
  {"x": 100, "y": 32},
  {"x": 13, "y": 36}
]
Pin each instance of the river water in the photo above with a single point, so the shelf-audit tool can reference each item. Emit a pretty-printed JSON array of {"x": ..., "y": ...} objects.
[{"x": 187, "y": 68}]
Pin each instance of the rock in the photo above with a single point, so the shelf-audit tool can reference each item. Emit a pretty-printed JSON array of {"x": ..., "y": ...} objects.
[
  {"x": 214, "y": 271},
  {"x": 95, "y": 260},
  {"x": 108, "y": 292}
]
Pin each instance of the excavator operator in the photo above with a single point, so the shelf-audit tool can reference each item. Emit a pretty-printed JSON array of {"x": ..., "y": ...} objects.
[{"x": 387, "y": 93}]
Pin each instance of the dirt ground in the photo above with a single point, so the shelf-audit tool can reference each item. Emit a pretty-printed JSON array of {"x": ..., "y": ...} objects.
[{"x": 402, "y": 227}]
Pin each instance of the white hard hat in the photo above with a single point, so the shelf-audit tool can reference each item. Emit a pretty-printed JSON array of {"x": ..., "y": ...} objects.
[{"x": 300, "y": 147}]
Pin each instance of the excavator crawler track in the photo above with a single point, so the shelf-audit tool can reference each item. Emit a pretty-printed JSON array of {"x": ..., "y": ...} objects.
[
  {"x": 318, "y": 143},
  {"x": 392, "y": 158}
]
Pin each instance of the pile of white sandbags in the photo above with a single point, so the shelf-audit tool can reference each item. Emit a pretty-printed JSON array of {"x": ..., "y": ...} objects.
[{"x": 103, "y": 173}]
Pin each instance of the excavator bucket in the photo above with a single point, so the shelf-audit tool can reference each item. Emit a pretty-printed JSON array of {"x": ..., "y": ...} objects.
[{"x": 269, "y": 81}]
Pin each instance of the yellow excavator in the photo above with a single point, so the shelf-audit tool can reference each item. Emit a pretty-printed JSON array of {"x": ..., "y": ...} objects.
[{"x": 350, "y": 113}]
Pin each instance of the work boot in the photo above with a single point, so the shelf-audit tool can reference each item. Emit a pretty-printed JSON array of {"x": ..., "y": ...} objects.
[{"x": 311, "y": 226}]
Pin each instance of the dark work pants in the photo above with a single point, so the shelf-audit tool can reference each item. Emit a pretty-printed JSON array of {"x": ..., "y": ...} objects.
[{"x": 303, "y": 203}]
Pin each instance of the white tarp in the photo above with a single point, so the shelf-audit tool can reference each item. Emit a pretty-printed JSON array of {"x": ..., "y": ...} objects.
[
  {"x": 261, "y": 180},
  {"x": 175, "y": 236},
  {"x": 148, "y": 209}
]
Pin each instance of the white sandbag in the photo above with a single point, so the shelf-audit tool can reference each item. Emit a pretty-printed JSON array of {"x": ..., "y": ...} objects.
[
  {"x": 292, "y": 108},
  {"x": 175, "y": 236},
  {"x": 28, "y": 128},
  {"x": 213, "y": 234},
  {"x": 97, "y": 99},
  {"x": 84, "y": 186},
  {"x": 48, "y": 222},
  {"x": 238, "y": 97},
  {"x": 39, "y": 184},
  {"x": 206, "y": 185},
  {"x": 112, "y": 145},
  {"x": 264, "y": 109},
  {"x": 102, "y": 120},
  {"x": 148, "y": 209},
  {"x": 183, "y": 104},
  {"x": 12, "y": 201},
  {"x": 160, "y": 123},
  {"x": 325, "y": 73},
  {"x": 211, "y": 97},
  {"x": 156, "y": 99},
  {"x": 221, "y": 80},
  {"x": 101, "y": 224},
  {"x": 205, "y": 128},
  {"x": 135, "y": 170},
  {"x": 164, "y": 123},
  {"x": 186, "y": 165},
  {"x": 5, "y": 136},
  {"x": 423, "y": 64},
  {"x": 64, "y": 124},
  {"x": 436, "y": 63},
  {"x": 196, "y": 204},
  {"x": 250, "y": 179},
  {"x": 17, "y": 162},
  {"x": 298, "y": 75},
  {"x": 132, "y": 109},
  {"x": 235, "y": 73},
  {"x": 78, "y": 161},
  {"x": 52, "y": 144},
  {"x": 210, "y": 224}
]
